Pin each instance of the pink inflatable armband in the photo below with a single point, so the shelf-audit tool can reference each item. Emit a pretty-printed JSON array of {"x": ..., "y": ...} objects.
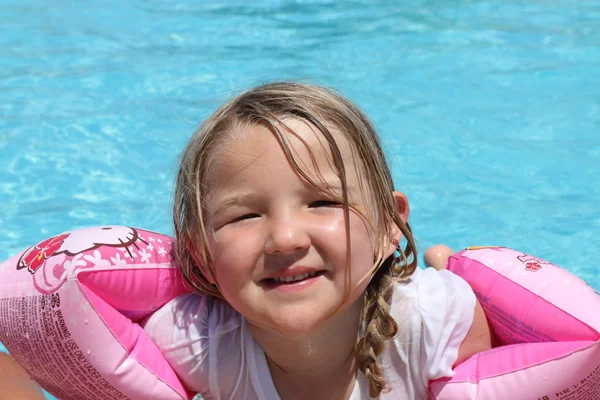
[
  {"x": 546, "y": 322},
  {"x": 70, "y": 307}
]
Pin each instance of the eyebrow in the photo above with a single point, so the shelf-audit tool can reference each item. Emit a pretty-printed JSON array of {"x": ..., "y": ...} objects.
[
  {"x": 244, "y": 198},
  {"x": 337, "y": 186},
  {"x": 234, "y": 200}
]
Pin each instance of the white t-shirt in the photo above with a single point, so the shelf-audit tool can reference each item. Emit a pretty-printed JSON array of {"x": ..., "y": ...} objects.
[{"x": 208, "y": 343}]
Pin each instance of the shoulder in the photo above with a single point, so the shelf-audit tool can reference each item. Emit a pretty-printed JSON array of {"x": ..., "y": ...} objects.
[
  {"x": 434, "y": 311},
  {"x": 191, "y": 327},
  {"x": 430, "y": 304},
  {"x": 430, "y": 292},
  {"x": 191, "y": 315}
]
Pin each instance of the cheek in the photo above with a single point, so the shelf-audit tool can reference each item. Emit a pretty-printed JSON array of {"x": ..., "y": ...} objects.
[
  {"x": 234, "y": 256},
  {"x": 362, "y": 236},
  {"x": 362, "y": 250}
]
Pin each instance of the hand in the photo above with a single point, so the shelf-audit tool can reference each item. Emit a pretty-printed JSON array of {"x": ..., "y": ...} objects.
[{"x": 437, "y": 256}]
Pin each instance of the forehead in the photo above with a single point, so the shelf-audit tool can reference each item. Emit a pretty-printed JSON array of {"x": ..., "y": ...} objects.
[{"x": 307, "y": 146}]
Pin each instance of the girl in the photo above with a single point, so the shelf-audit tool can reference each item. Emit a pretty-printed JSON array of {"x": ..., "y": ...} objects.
[{"x": 288, "y": 228}]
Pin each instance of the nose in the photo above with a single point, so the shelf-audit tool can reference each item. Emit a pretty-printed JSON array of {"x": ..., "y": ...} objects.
[{"x": 286, "y": 236}]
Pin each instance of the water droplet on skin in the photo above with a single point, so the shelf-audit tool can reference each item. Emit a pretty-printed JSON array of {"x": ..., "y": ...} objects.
[
  {"x": 89, "y": 352},
  {"x": 85, "y": 321},
  {"x": 307, "y": 348}
]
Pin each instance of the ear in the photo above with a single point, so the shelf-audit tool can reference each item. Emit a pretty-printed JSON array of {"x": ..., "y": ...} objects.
[{"x": 403, "y": 210}]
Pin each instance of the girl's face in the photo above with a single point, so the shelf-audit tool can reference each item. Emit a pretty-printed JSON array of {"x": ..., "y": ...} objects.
[{"x": 278, "y": 243}]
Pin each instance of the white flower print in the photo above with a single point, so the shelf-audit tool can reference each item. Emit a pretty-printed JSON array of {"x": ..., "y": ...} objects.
[
  {"x": 162, "y": 251},
  {"x": 128, "y": 253},
  {"x": 150, "y": 247},
  {"x": 151, "y": 239},
  {"x": 72, "y": 264},
  {"x": 145, "y": 256},
  {"x": 97, "y": 259},
  {"x": 117, "y": 260}
]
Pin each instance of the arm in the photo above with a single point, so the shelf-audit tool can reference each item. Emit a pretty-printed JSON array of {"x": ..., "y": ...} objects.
[
  {"x": 15, "y": 382},
  {"x": 479, "y": 337}
]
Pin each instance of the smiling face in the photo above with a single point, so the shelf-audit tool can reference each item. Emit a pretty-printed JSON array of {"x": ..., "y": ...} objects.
[{"x": 278, "y": 245}]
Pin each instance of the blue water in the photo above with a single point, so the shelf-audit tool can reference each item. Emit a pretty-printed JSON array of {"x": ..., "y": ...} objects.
[{"x": 489, "y": 110}]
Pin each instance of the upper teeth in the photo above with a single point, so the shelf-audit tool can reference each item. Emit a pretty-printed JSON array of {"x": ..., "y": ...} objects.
[{"x": 294, "y": 278}]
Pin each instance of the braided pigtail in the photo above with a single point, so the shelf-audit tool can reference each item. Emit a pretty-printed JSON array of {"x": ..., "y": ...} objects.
[{"x": 379, "y": 325}]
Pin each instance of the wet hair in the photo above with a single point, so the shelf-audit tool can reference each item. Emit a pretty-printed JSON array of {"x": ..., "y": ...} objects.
[{"x": 321, "y": 108}]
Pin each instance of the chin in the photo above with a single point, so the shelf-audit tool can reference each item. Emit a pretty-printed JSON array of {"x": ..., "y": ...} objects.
[{"x": 298, "y": 325}]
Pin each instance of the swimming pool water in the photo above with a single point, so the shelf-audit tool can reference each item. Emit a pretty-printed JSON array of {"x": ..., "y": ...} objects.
[{"x": 489, "y": 110}]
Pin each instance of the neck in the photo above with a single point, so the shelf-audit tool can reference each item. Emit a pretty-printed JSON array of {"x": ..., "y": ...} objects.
[{"x": 320, "y": 360}]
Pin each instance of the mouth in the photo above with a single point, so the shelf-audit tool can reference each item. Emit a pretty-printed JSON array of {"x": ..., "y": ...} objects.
[{"x": 293, "y": 281}]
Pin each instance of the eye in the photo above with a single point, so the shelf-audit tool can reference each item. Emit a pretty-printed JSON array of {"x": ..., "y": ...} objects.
[
  {"x": 325, "y": 203},
  {"x": 245, "y": 217}
]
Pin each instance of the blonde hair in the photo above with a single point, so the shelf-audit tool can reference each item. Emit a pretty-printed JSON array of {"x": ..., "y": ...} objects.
[{"x": 319, "y": 107}]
